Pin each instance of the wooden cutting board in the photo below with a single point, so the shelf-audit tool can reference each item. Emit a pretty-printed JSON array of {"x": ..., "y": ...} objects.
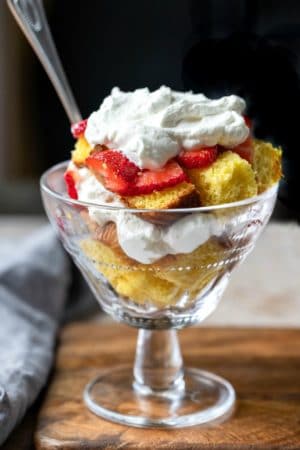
[{"x": 263, "y": 365}]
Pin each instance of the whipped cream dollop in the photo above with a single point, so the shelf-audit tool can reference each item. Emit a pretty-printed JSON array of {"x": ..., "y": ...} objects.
[
  {"x": 144, "y": 241},
  {"x": 90, "y": 190},
  {"x": 147, "y": 243},
  {"x": 152, "y": 127}
]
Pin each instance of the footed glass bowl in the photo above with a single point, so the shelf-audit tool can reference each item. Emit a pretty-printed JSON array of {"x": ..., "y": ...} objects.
[{"x": 156, "y": 270}]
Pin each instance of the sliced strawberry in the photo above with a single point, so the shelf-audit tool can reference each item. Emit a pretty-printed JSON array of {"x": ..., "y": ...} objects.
[
  {"x": 195, "y": 159},
  {"x": 120, "y": 175},
  {"x": 248, "y": 122},
  {"x": 78, "y": 129},
  {"x": 69, "y": 177},
  {"x": 115, "y": 170},
  {"x": 245, "y": 150},
  {"x": 156, "y": 180}
]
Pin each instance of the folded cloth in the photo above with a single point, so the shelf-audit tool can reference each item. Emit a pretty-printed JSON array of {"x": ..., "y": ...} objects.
[{"x": 35, "y": 278}]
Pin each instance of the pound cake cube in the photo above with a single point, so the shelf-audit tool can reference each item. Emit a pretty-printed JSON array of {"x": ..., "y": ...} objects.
[
  {"x": 266, "y": 164},
  {"x": 183, "y": 195},
  {"x": 139, "y": 285},
  {"x": 195, "y": 269},
  {"x": 230, "y": 178},
  {"x": 81, "y": 151}
]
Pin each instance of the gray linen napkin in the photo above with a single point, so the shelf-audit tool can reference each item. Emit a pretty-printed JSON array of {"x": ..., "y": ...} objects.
[{"x": 34, "y": 284}]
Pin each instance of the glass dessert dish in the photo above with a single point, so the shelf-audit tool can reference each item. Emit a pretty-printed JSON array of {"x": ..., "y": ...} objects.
[{"x": 199, "y": 247}]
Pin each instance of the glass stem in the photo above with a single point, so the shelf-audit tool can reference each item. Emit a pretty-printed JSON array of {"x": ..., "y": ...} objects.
[{"x": 158, "y": 364}]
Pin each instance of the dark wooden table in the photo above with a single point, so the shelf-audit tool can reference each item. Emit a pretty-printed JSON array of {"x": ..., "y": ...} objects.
[{"x": 263, "y": 365}]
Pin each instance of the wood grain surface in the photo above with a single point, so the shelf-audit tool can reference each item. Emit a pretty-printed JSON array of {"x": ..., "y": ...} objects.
[{"x": 263, "y": 365}]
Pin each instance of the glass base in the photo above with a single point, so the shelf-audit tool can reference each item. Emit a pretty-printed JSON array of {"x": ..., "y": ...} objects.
[{"x": 204, "y": 398}]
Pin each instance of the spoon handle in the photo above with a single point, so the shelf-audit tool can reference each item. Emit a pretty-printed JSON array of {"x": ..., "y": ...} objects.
[{"x": 31, "y": 17}]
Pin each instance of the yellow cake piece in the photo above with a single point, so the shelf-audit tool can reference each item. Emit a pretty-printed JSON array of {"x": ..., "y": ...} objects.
[
  {"x": 150, "y": 283},
  {"x": 139, "y": 283},
  {"x": 194, "y": 270},
  {"x": 81, "y": 151},
  {"x": 183, "y": 195},
  {"x": 266, "y": 164},
  {"x": 230, "y": 178}
]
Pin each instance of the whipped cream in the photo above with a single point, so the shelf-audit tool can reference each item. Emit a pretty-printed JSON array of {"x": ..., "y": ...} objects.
[
  {"x": 152, "y": 127},
  {"x": 92, "y": 191},
  {"x": 147, "y": 243},
  {"x": 139, "y": 239}
]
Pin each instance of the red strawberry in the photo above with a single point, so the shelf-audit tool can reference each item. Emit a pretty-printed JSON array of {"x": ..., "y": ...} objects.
[
  {"x": 78, "y": 129},
  {"x": 120, "y": 175},
  {"x": 248, "y": 122},
  {"x": 156, "y": 180},
  {"x": 201, "y": 157},
  {"x": 116, "y": 171},
  {"x": 245, "y": 149},
  {"x": 70, "y": 183}
]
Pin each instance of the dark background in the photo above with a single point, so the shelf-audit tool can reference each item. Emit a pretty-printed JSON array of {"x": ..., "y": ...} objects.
[{"x": 246, "y": 47}]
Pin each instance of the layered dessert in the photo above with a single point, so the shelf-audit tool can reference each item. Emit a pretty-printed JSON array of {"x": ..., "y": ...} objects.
[{"x": 162, "y": 151}]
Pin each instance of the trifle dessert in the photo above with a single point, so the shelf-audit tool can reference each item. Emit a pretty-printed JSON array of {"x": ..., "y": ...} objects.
[
  {"x": 166, "y": 192},
  {"x": 166, "y": 151}
]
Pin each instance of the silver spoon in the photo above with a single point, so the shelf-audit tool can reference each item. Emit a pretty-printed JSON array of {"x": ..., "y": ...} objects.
[{"x": 31, "y": 17}]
